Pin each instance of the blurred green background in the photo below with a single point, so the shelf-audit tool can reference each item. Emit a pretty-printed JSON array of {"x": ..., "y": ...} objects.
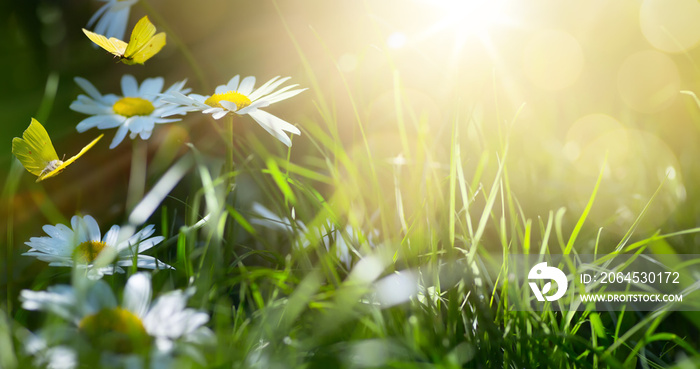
[
  {"x": 394, "y": 88},
  {"x": 589, "y": 79}
]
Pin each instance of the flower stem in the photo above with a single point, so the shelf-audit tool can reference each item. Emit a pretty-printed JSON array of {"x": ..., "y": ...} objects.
[
  {"x": 228, "y": 169},
  {"x": 137, "y": 176}
]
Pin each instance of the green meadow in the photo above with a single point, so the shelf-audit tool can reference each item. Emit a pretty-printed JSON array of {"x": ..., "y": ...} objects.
[{"x": 432, "y": 141}]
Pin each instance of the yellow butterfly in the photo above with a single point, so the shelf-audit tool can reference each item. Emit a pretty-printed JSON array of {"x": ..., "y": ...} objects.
[
  {"x": 141, "y": 47},
  {"x": 35, "y": 151}
]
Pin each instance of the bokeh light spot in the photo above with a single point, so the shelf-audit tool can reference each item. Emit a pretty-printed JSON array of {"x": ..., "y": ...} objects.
[
  {"x": 396, "y": 40},
  {"x": 585, "y": 130},
  {"x": 572, "y": 150},
  {"x": 671, "y": 25},
  {"x": 648, "y": 81},
  {"x": 553, "y": 59},
  {"x": 671, "y": 173},
  {"x": 637, "y": 163},
  {"x": 347, "y": 63}
]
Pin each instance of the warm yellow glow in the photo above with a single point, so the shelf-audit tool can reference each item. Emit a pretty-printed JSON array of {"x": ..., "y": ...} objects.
[
  {"x": 636, "y": 163},
  {"x": 586, "y": 130},
  {"x": 648, "y": 81},
  {"x": 471, "y": 16},
  {"x": 553, "y": 59},
  {"x": 396, "y": 40},
  {"x": 671, "y": 25},
  {"x": 347, "y": 62}
]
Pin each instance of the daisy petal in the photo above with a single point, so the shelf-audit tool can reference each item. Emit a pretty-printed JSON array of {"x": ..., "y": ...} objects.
[
  {"x": 221, "y": 89},
  {"x": 110, "y": 238},
  {"x": 232, "y": 84},
  {"x": 246, "y": 86},
  {"x": 88, "y": 88},
  {"x": 268, "y": 87},
  {"x": 219, "y": 114},
  {"x": 59, "y": 300},
  {"x": 80, "y": 229},
  {"x": 90, "y": 122},
  {"x": 119, "y": 136},
  {"x": 177, "y": 111},
  {"x": 129, "y": 85},
  {"x": 146, "y": 262},
  {"x": 199, "y": 99},
  {"x": 151, "y": 87},
  {"x": 97, "y": 14},
  {"x": 278, "y": 96},
  {"x": 140, "y": 123},
  {"x": 93, "y": 230},
  {"x": 210, "y": 110},
  {"x": 111, "y": 121},
  {"x": 58, "y": 231},
  {"x": 253, "y": 106},
  {"x": 228, "y": 105},
  {"x": 85, "y": 105},
  {"x": 267, "y": 119},
  {"x": 178, "y": 87},
  {"x": 137, "y": 294},
  {"x": 269, "y": 219},
  {"x": 147, "y": 244},
  {"x": 99, "y": 296},
  {"x": 117, "y": 25}
]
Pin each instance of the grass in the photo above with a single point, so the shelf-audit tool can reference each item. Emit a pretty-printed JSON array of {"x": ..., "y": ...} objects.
[
  {"x": 432, "y": 223},
  {"x": 273, "y": 306}
]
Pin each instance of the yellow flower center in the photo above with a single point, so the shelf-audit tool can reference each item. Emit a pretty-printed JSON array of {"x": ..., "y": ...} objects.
[
  {"x": 131, "y": 106},
  {"x": 117, "y": 330},
  {"x": 88, "y": 251},
  {"x": 235, "y": 97}
]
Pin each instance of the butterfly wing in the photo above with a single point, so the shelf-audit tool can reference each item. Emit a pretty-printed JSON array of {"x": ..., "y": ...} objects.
[
  {"x": 66, "y": 163},
  {"x": 140, "y": 36},
  {"x": 154, "y": 45},
  {"x": 83, "y": 151},
  {"x": 34, "y": 150},
  {"x": 113, "y": 45}
]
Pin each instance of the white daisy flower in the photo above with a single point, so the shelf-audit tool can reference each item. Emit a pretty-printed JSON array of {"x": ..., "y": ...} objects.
[
  {"x": 81, "y": 244},
  {"x": 128, "y": 331},
  {"x": 113, "y": 17},
  {"x": 241, "y": 99},
  {"x": 342, "y": 240},
  {"x": 137, "y": 111},
  {"x": 51, "y": 357}
]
